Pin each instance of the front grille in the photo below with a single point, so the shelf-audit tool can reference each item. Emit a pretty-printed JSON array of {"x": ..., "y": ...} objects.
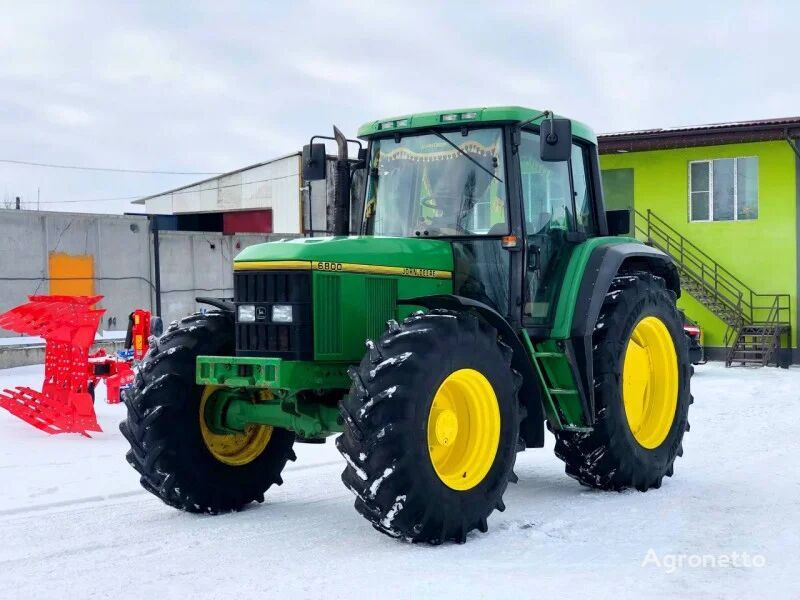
[
  {"x": 264, "y": 289},
  {"x": 381, "y": 304}
]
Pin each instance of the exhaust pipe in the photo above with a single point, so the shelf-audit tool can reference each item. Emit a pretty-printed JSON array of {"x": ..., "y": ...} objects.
[{"x": 341, "y": 198}]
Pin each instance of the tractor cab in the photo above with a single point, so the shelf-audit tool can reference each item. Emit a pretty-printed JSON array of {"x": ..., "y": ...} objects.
[
  {"x": 512, "y": 190},
  {"x": 448, "y": 185}
]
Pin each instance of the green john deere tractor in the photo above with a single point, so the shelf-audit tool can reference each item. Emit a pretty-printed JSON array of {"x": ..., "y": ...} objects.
[{"x": 487, "y": 293}]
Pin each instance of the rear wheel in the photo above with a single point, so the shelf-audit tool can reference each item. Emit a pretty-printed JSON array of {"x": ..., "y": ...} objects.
[
  {"x": 179, "y": 458},
  {"x": 642, "y": 372},
  {"x": 431, "y": 427}
]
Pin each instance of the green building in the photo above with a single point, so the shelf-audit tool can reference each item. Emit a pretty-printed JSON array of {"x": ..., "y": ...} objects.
[{"x": 724, "y": 201}]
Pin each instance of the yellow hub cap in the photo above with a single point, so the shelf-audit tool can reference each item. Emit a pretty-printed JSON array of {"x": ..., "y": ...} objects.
[
  {"x": 238, "y": 449},
  {"x": 650, "y": 382},
  {"x": 463, "y": 429}
]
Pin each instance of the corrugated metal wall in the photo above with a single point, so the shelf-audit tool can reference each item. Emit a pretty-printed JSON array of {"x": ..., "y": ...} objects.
[{"x": 274, "y": 185}]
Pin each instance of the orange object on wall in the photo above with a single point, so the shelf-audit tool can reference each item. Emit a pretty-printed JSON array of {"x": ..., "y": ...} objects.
[{"x": 71, "y": 275}]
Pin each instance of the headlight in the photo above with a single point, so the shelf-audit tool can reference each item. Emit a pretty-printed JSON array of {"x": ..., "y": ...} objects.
[
  {"x": 281, "y": 313},
  {"x": 247, "y": 313}
]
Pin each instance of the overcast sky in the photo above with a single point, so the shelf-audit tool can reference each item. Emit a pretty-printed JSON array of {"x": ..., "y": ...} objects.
[{"x": 213, "y": 86}]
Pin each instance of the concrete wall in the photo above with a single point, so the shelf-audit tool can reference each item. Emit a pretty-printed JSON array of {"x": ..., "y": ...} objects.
[
  {"x": 192, "y": 263},
  {"x": 33, "y": 354},
  {"x": 198, "y": 264},
  {"x": 119, "y": 245}
]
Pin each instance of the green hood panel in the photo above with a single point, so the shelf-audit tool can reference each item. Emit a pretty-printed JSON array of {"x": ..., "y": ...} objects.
[{"x": 364, "y": 250}]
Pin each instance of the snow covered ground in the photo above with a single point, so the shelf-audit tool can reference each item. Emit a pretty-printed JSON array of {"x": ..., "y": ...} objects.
[{"x": 75, "y": 523}]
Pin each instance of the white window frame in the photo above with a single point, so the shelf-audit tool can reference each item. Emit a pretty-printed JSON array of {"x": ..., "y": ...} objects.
[
  {"x": 709, "y": 200},
  {"x": 710, "y": 191}
]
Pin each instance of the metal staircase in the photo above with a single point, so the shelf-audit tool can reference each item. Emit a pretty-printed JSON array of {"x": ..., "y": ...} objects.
[{"x": 758, "y": 325}]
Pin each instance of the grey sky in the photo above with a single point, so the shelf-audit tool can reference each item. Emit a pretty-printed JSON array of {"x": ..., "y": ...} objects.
[{"x": 213, "y": 86}]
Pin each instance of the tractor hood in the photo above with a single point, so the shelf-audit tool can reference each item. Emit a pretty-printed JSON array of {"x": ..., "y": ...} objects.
[{"x": 331, "y": 253}]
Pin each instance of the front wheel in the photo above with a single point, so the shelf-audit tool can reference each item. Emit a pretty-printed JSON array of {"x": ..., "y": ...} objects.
[
  {"x": 431, "y": 427},
  {"x": 641, "y": 385},
  {"x": 179, "y": 458}
]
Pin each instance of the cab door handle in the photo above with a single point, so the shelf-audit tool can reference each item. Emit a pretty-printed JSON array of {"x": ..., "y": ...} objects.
[{"x": 534, "y": 258}]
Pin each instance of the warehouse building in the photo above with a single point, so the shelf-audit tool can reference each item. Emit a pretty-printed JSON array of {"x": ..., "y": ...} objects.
[{"x": 269, "y": 198}]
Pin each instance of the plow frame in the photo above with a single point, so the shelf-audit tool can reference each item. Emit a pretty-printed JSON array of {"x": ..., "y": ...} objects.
[{"x": 68, "y": 325}]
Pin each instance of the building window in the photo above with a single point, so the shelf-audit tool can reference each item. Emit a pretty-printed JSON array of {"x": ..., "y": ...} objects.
[{"x": 725, "y": 189}]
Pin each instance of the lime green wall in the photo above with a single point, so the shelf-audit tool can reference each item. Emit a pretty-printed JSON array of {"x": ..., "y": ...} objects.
[{"x": 761, "y": 252}]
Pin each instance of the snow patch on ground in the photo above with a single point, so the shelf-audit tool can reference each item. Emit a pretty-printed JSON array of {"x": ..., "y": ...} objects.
[{"x": 75, "y": 522}]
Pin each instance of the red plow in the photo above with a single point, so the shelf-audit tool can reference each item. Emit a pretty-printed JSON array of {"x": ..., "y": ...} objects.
[{"x": 66, "y": 403}]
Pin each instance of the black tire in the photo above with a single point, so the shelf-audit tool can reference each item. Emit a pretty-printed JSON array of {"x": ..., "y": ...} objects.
[
  {"x": 156, "y": 326},
  {"x": 609, "y": 457},
  {"x": 385, "y": 444},
  {"x": 163, "y": 426}
]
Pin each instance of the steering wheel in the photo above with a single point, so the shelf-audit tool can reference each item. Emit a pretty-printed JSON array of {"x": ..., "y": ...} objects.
[
  {"x": 427, "y": 202},
  {"x": 430, "y": 202}
]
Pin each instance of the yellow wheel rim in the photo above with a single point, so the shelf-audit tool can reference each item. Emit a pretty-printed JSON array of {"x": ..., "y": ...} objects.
[
  {"x": 236, "y": 449},
  {"x": 463, "y": 429},
  {"x": 650, "y": 382}
]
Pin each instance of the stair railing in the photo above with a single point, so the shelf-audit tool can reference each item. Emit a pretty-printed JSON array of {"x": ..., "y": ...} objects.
[
  {"x": 772, "y": 326},
  {"x": 728, "y": 296}
]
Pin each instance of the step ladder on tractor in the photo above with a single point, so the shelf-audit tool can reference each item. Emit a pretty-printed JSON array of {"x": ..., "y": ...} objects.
[{"x": 68, "y": 325}]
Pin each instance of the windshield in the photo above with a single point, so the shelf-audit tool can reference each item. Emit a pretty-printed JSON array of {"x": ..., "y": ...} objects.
[{"x": 424, "y": 186}]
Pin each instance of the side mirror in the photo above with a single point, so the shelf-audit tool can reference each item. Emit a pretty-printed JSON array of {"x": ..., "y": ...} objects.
[
  {"x": 314, "y": 162},
  {"x": 619, "y": 221},
  {"x": 555, "y": 140},
  {"x": 361, "y": 162}
]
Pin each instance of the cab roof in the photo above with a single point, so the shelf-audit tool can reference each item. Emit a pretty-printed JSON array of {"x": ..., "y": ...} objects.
[{"x": 463, "y": 116}]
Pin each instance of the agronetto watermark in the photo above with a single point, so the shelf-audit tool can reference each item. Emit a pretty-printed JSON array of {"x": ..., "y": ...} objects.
[{"x": 674, "y": 562}]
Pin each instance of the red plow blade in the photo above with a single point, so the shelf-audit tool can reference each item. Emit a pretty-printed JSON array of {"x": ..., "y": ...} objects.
[
  {"x": 36, "y": 409},
  {"x": 68, "y": 325}
]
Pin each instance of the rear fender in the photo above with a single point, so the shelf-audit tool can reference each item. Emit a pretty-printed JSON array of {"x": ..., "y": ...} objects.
[{"x": 604, "y": 264}]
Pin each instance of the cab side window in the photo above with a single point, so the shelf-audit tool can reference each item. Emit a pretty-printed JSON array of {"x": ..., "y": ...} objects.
[
  {"x": 583, "y": 194},
  {"x": 557, "y": 199},
  {"x": 545, "y": 189},
  {"x": 548, "y": 207}
]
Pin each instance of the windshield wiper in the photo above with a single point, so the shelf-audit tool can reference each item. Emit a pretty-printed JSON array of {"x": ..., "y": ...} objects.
[
  {"x": 439, "y": 135},
  {"x": 544, "y": 113}
]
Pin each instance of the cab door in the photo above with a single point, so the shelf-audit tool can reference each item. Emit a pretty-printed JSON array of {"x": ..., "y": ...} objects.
[{"x": 558, "y": 214}]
